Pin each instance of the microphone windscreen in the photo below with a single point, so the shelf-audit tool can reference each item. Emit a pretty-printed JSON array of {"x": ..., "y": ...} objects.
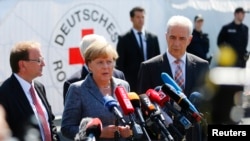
[
  {"x": 122, "y": 97},
  {"x": 82, "y": 134},
  {"x": 163, "y": 97},
  {"x": 169, "y": 90},
  {"x": 94, "y": 127},
  {"x": 196, "y": 98},
  {"x": 167, "y": 79},
  {"x": 153, "y": 95},
  {"x": 110, "y": 102},
  {"x": 146, "y": 103},
  {"x": 134, "y": 98}
]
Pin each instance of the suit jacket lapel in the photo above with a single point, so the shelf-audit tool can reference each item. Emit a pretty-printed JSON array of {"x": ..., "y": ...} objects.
[
  {"x": 190, "y": 66},
  {"x": 167, "y": 67},
  {"x": 134, "y": 39},
  {"x": 147, "y": 43},
  {"x": 135, "y": 42},
  {"x": 22, "y": 99},
  {"x": 92, "y": 88}
]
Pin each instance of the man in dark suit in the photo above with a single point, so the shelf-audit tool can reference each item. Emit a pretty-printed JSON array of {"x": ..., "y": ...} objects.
[
  {"x": 134, "y": 48},
  {"x": 22, "y": 112},
  {"x": 87, "y": 40},
  {"x": 178, "y": 36}
]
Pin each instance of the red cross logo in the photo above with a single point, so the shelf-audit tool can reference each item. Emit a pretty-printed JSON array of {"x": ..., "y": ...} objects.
[{"x": 75, "y": 56}]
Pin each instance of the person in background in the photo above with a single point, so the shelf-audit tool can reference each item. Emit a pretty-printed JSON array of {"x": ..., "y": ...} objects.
[
  {"x": 86, "y": 41},
  {"x": 85, "y": 98},
  {"x": 28, "y": 112},
  {"x": 235, "y": 35},
  {"x": 5, "y": 132},
  {"x": 193, "y": 68},
  {"x": 135, "y": 46},
  {"x": 199, "y": 45}
]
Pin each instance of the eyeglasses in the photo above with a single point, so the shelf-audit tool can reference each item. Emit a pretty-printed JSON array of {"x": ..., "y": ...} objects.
[{"x": 39, "y": 60}]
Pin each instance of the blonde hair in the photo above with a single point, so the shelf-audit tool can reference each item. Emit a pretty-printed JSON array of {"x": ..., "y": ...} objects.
[{"x": 99, "y": 48}]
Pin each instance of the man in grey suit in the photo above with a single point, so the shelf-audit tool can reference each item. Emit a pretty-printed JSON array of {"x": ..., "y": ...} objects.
[
  {"x": 178, "y": 36},
  {"x": 132, "y": 51}
]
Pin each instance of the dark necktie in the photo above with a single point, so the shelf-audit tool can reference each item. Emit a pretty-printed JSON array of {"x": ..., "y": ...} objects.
[
  {"x": 179, "y": 78},
  {"x": 141, "y": 44},
  {"x": 41, "y": 114}
]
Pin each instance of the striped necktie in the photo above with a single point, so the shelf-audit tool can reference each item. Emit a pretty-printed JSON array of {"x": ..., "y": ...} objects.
[{"x": 179, "y": 77}]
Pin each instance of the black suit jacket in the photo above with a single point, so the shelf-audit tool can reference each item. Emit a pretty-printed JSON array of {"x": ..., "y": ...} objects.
[
  {"x": 150, "y": 73},
  {"x": 130, "y": 56},
  {"x": 19, "y": 113},
  {"x": 81, "y": 74}
]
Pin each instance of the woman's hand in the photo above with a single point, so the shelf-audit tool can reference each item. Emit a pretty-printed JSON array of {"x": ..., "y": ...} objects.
[
  {"x": 109, "y": 131},
  {"x": 125, "y": 131}
]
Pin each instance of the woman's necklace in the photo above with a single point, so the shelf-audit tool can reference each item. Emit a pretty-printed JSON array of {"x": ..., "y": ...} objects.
[
  {"x": 106, "y": 87},
  {"x": 106, "y": 90}
]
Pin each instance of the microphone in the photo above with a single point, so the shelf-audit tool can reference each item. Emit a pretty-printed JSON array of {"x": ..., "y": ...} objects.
[
  {"x": 163, "y": 101},
  {"x": 155, "y": 116},
  {"x": 157, "y": 96},
  {"x": 167, "y": 79},
  {"x": 135, "y": 100},
  {"x": 128, "y": 109},
  {"x": 196, "y": 98},
  {"x": 112, "y": 106},
  {"x": 89, "y": 129},
  {"x": 122, "y": 97},
  {"x": 182, "y": 101}
]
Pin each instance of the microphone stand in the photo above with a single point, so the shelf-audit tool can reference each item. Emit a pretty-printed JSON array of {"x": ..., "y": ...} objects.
[
  {"x": 164, "y": 131},
  {"x": 142, "y": 124},
  {"x": 146, "y": 133},
  {"x": 117, "y": 133}
]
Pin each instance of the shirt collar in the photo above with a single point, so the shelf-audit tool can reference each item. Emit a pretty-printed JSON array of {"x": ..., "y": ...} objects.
[
  {"x": 136, "y": 31},
  {"x": 171, "y": 58},
  {"x": 24, "y": 84}
]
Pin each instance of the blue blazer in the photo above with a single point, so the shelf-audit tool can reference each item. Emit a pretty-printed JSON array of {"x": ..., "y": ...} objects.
[
  {"x": 84, "y": 99},
  {"x": 81, "y": 74}
]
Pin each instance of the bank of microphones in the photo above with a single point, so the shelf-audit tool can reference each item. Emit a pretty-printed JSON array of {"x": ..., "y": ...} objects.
[
  {"x": 175, "y": 93},
  {"x": 163, "y": 109}
]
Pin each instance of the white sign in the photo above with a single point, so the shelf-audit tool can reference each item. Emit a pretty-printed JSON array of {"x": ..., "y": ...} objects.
[{"x": 60, "y": 24}]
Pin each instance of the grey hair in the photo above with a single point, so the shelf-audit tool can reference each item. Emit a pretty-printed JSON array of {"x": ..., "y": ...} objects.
[
  {"x": 87, "y": 40},
  {"x": 180, "y": 20}
]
